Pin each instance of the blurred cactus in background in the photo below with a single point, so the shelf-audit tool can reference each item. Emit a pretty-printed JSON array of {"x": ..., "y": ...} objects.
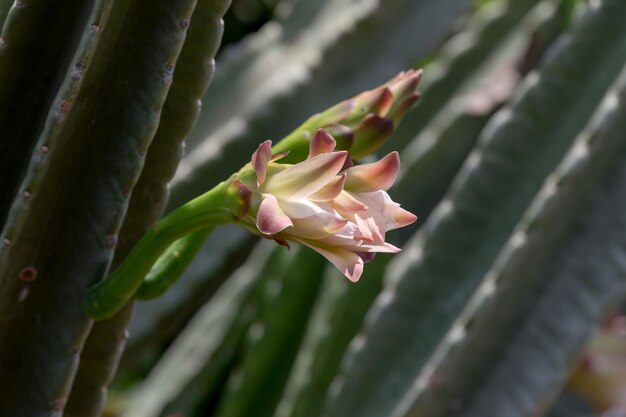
[{"x": 513, "y": 160}]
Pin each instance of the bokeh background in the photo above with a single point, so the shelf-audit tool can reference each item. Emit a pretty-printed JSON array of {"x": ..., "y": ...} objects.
[{"x": 513, "y": 160}]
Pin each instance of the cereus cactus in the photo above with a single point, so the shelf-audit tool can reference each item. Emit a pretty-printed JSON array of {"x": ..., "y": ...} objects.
[
  {"x": 342, "y": 214},
  {"x": 360, "y": 125},
  {"x": 500, "y": 197}
]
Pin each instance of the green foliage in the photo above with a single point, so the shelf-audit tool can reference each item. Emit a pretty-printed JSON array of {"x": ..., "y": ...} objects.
[{"x": 513, "y": 160}]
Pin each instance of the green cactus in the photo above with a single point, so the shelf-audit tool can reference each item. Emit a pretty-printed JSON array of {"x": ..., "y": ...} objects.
[
  {"x": 506, "y": 291},
  {"x": 439, "y": 161},
  {"x": 173, "y": 383},
  {"x": 512, "y": 160},
  {"x": 582, "y": 303},
  {"x": 35, "y": 62},
  {"x": 79, "y": 238},
  {"x": 193, "y": 72},
  {"x": 427, "y": 289}
]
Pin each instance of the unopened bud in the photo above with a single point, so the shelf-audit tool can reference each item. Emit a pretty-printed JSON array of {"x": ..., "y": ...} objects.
[
  {"x": 377, "y": 101},
  {"x": 343, "y": 135},
  {"x": 400, "y": 109},
  {"x": 336, "y": 114},
  {"x": 404, "y": 83},
  {"x": 370, "y": 135}
]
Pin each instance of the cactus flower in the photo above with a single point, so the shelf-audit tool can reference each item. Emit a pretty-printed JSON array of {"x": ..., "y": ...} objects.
[{"x": 339, "y": 210}]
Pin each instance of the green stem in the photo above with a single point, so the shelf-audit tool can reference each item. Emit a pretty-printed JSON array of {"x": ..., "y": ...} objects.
[
  {"x": 216, "y": 207},
  {"x": 171, "y": 264},
  {"x": 176, "y": 258}
]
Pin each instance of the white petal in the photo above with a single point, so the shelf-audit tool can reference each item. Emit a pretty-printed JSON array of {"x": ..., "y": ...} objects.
[
  {"x": 307, "y": 177},
  {"x": 348, "y": 262}
]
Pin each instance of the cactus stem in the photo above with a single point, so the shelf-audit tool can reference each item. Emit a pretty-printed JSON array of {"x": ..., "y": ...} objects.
[{"x": 213, "y": 208}]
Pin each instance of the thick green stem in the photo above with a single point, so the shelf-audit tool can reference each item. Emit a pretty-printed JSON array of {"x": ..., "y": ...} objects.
[
  {"x": 216, "y": 207},
  {"x": 193, "y": 71},
  {"x": 87, "y": 160},
  {"x": 172, "y": 263}
]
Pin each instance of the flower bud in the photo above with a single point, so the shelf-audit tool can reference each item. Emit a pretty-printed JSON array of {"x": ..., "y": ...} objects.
[{"x": 366, "y": 120}]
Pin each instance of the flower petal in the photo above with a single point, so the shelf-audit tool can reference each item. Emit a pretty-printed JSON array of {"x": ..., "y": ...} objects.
[
  {"x": 383, "y": 105},
  {"x": 348, "y": 262},
  {"x": 376, "y": 101},
  {"x": 343, "y": 135},
  {"x": 260, "y": 159},
  {"x": 331, "y": 190},
  {"x": 322, "y": 142},
  {"x": 307, "y": 177},
  {"x": 346, "y": 204},
  {"x": 365, "y": 233},
  {"x": 400, "y": 109},
  {"x": 391, "y": 211},
  {"x": 405, "y": 83},
  {"x": 317, "y": 227},
  {"x": 369, "y": 230},
  {"x": 370, "y": 135},
  {"x": 386, "y": 213},
  {"x": 381, "y": 248},
  {"x": 402, "y": 217},
  {"x": 279, "y": 155},
  {"x": 379, "y": 175},
  {"x": 366, "y": 256},
  {"x": 316, "y": 221},
  {"x": 347, "y": 164},
  {"x": 335, "y": 225},
  {"x": 301, "y": 208},
  {"x": 270, "y": 217}
]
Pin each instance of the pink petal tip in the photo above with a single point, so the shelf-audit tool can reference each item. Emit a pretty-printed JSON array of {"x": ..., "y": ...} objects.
[
  {"x": 260, "y": 159},
  {"x": 322, "y": 142},
  {"x": 271, "y": 219},
  {"x": 378, "y": 175}
]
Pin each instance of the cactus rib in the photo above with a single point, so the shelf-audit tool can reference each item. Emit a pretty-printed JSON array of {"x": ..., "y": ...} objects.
[
  {"x": 425, "y": 289},
  {"x": 193, "y": 72},
  {"x": 588, "y": 281},
  {"x": 37, "y": 43},
  {"x": 499, "y": 306},
  {"x": 486, "y": 30},
  {"x": 200, "y": 343},
  {"x": 85, "y": 133},
  {"x": 272, "y": 341}
]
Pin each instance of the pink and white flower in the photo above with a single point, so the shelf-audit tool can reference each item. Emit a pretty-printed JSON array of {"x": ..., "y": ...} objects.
[{"x": 339, "y": 210}]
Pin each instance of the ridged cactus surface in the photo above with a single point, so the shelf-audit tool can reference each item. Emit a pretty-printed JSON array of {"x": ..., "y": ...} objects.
[
  {"x": 440, "y": 268},
  {"x": 512, "y": 159}
]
